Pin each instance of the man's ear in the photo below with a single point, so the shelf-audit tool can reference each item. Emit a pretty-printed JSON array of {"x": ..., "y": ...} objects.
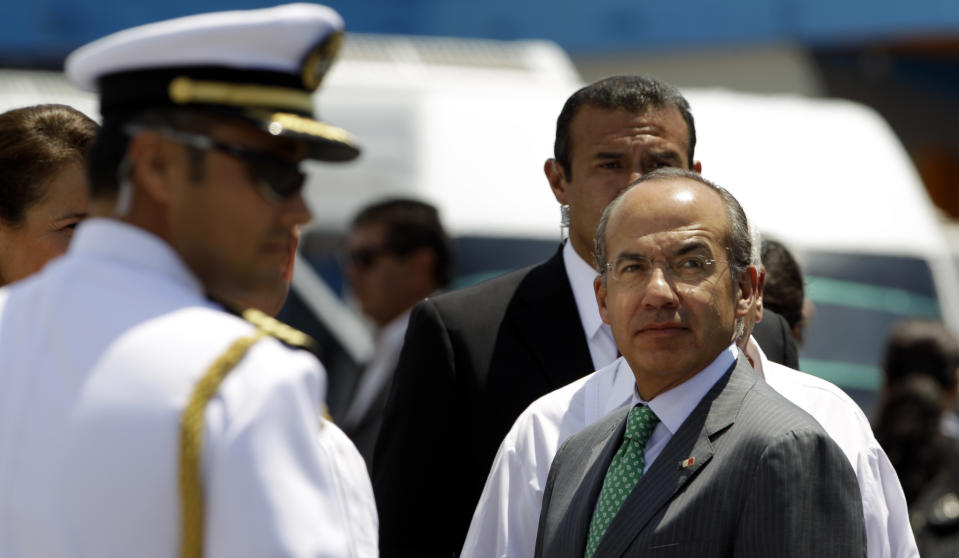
[
  {"x": 761, "y": 284},
  {"x": 423, "y": 259},
  {"x": 600, "y": 289},
  {"x": 557, "y": 179},
  {"x": 420, "y": 265},
  {"x": 748, "y": 283},
  {"x": 149, "y": 157}
]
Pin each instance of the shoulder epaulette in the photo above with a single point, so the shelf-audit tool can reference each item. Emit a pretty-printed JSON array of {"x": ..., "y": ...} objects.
[
  {"x": 275, "y": 328},
  {"x": 191, "y": 444},
  {"x": 191, "y": 421}
]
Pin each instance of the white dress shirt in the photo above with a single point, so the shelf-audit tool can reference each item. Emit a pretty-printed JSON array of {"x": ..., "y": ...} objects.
[
  {"x": 101, "y": 351},
  {"x": 506, "y": 519},
  {"x": 378, "y": 374},
  {"x": 602, "y": 346},
  {"x": 354, "y": 492}
]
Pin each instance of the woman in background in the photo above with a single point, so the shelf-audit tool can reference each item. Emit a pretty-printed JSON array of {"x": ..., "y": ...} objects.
[{"x": 43, "y": 184}]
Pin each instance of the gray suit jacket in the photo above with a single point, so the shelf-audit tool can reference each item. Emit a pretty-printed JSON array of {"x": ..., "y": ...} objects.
[{"x": 765, "y": 480}]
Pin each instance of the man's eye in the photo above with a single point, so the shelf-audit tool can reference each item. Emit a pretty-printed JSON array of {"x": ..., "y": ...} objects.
[
  {"x": 659, "y": 164},
  {"x": 609, "y": 165},
  {"x": 691, "y": 263},
  {"x": 633, "y": 267}
]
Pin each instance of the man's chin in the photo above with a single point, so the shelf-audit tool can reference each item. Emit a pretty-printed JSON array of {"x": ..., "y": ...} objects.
[{"x": 667, "y": 341}]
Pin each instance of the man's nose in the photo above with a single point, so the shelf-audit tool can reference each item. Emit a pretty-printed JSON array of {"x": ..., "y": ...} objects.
[
  {"x": 659, "y": 290},
  {"x": 635, "y": 173},
  {"x": 294, "y": 211}
]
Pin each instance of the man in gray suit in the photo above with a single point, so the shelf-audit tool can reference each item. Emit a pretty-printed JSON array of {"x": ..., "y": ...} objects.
[{"x": 710, "y": 461}]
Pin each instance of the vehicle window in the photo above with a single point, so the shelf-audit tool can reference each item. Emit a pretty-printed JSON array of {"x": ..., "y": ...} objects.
[
  {"x": 476, "y": 258},
  {"x": 858, "y": 299},
  {"x": 480, "y": 258}
]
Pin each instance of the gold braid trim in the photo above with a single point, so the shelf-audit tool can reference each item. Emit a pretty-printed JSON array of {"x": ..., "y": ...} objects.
[
  {"x": 183, "y": 90},
  {"x": 191, "y": 443},
  {"x": 278, "y": 329}
]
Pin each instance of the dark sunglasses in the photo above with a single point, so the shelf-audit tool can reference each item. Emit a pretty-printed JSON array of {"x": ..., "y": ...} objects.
[
  {"x": 364, "y": 258},
  {"x": 278, "y": 179}
]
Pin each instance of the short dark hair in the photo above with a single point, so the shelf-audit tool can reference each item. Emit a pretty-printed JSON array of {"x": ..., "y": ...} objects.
[
  {"x": 784, "y": 292},
  {"x": 738, "y": 240},
  {"x": 36, "y": 142},
  {"x": 922, "y": 347},
  {"x": 635, "y": 94},
  {"x": 109, "y": 150},
  {"x": 411, "y": 225}
]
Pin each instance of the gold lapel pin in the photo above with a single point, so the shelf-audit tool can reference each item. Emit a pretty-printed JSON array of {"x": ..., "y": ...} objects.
[{"x": 686, "y": 463}]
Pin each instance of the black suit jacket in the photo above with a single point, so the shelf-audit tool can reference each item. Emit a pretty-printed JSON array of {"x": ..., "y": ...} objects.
[
  {"x": 748, "y": 474},
  {"x": 473, "y": 359},
  {"x": 776, "y": 339},
  {"x": 364, "y": 431}
]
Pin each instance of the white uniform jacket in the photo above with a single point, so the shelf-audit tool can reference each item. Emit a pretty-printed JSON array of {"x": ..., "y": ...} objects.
[
  {"x": 99, "y": 354},
  {"x": 507, "y": 516}
]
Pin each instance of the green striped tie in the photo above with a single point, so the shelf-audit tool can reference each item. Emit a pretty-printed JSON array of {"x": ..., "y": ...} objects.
[{"x": 624, "y": 472}]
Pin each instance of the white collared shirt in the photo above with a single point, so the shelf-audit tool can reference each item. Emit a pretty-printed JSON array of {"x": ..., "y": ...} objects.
[
  {"x": 507, "y": 516},
  {"x": 100, "y": 352},
  {"x": 378, "y": 373},
  {"x": 602, "y": 347}
]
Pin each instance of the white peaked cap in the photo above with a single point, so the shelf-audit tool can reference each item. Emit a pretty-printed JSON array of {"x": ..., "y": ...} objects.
[{"x": 259, "y": 65}]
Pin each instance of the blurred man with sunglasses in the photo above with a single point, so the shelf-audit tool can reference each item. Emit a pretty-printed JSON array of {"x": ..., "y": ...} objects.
[
  {"x": 137, "y": 416},
  {"x": 397, "y": 255}
]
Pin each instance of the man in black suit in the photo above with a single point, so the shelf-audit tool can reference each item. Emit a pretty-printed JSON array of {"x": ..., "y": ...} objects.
[
  {"x": 398, "y": 254},
  {"x": 473, "y": 359},
  {"x": 710, "y": 461}
]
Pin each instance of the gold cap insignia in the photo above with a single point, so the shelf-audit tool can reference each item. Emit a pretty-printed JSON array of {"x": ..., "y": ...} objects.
[{"x": 318, "y": 61}]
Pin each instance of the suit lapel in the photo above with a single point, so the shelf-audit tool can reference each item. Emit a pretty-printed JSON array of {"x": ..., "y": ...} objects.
[
  {"x": 547, "y": 319},
  {"x": 689, "y": 450},
  {"x": 600, "y": 455}
]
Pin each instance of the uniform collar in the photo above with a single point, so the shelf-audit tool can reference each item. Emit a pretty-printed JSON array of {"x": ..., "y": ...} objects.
[{"x": 133, "y": 247}]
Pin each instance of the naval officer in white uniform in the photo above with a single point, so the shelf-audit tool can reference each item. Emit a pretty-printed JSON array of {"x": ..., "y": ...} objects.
[{"x": 137, "y": 418}]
